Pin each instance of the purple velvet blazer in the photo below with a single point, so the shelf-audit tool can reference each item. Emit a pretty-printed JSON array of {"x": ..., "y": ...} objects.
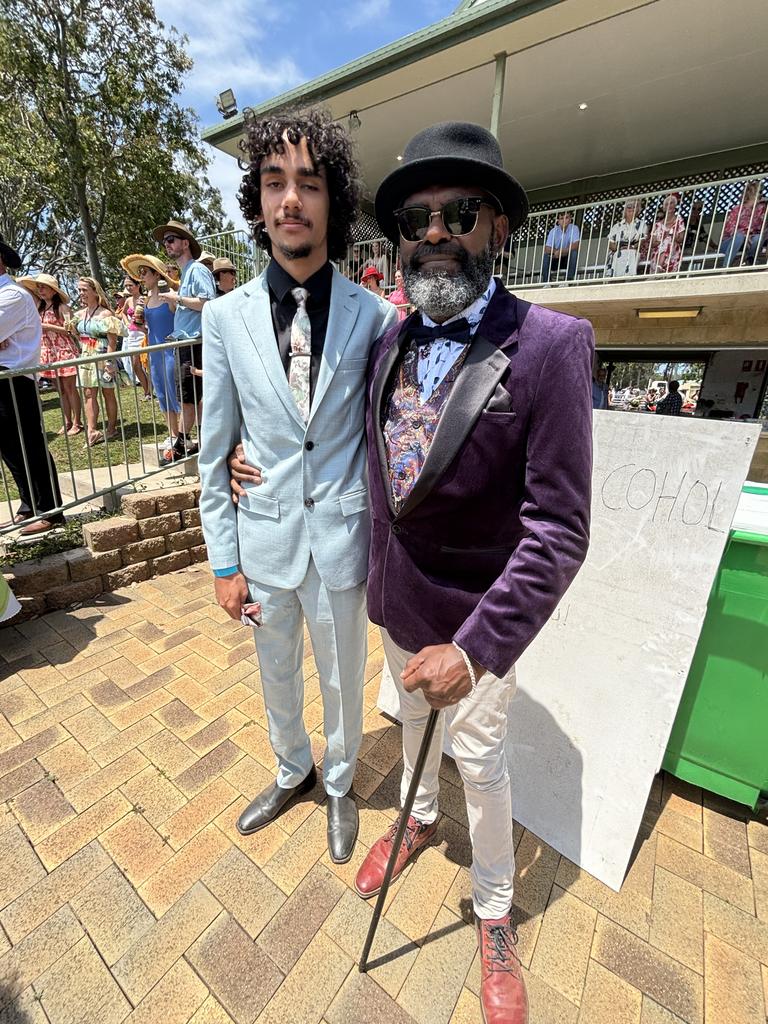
[{"x": 497, "y": 524}]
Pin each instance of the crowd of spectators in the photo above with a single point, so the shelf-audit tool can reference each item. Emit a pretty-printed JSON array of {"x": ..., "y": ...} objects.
[
  {"x": 647, "y": 241},
  {"x": 161, "y": 300}
]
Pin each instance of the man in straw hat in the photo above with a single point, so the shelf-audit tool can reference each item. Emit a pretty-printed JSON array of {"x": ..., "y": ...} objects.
[
  {"x": 21, "y": 428},
  {"x": 480, "y": 498},
  {"x": 284, "y": 361},
  {"x": 207, "y": 259},
  {"x": 225, "y": 275},
  {"x": 196, "y": 288}
]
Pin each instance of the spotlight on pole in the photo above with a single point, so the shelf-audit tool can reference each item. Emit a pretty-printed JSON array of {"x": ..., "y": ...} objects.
[{"x": 226, "y": 104}]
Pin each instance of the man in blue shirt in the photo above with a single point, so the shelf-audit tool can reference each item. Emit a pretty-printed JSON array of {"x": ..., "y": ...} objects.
[
  {"x": 561, "y": 249},
  {"x": 196, "y": 288}
]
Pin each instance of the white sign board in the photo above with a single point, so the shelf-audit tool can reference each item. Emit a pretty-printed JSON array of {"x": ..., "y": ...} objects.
[{"x": 599, "y": 688}]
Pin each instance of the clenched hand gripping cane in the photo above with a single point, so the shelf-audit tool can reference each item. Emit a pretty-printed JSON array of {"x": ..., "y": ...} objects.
[{"x": 404, "y": 815}]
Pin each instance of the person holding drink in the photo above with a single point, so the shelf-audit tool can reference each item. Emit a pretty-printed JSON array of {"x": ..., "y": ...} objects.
[{"x": 98, "y": 330}]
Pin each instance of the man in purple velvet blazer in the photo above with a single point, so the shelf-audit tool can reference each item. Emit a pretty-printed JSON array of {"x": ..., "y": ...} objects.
[{"x": 479, "y": 457}]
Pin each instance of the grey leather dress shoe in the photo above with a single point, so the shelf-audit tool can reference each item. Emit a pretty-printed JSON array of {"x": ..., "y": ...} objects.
[
  {"x": 343, "y": 823},
  {"x": 270, "y": 803}
]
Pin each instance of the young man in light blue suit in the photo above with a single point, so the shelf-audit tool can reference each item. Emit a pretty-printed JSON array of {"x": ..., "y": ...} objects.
[{"x": 284, "y": 365}]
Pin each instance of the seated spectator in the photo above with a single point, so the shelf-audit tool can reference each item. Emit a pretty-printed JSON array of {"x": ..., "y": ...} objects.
[
  {"x": 561, "y": 249},
  {"x": 672, "y": 403},
  {"x": 624, "y": 240},
  {"x": 225, "y": 276},
  {"x": 743, "y": 227},
  {"x": 665, "y": 244},
  {"x": 398, "y": 296},
  {"x": 695, "y": 233},
  {"x": 371, "y": 280}
]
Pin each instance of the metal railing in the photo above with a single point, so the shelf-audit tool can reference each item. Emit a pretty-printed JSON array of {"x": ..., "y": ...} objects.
[
  {"x": 47, "y": 469},
  {"x": 238, "y": 247},
  {"x": 607, "y": 245}
]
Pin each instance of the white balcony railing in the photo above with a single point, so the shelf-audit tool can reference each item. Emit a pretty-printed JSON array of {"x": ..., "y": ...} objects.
[{"x": 717, "y": 227}]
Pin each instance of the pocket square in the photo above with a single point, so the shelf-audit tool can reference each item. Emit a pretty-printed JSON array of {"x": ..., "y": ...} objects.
[{"x": 500, "y": 400}]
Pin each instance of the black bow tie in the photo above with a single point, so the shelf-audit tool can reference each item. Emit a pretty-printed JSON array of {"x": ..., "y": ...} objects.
[{"x": 458, "y": 330}]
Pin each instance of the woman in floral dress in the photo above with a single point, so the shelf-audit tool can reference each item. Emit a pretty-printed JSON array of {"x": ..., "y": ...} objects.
[
  {"x": 132, "y": 315},
  {"x": 98, "y": 329},
  {"x": 59, "y": 345},
  {"x": 665, "y": 245}
]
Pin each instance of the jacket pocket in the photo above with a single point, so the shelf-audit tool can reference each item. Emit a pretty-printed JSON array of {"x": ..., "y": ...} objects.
[
  {"x": 353, "y": 502},
  {"x": 260, "y": 504}
]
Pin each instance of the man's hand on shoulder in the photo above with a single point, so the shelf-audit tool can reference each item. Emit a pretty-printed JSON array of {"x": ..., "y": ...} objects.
[
  {"x": 231, "y": 593},
  {"x": 241, "y": 472},
  {"x": 441, "y": 673}
]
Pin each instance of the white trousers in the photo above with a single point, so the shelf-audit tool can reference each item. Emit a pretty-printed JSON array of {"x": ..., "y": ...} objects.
[
  {"x": 337, "y": 624},
  {"x": 477, "y": 727}
]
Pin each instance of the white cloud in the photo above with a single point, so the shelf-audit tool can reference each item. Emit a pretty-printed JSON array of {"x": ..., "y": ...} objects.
[
  {"x": 224, "y": 42},
  {"x": 367, "y": 12}
]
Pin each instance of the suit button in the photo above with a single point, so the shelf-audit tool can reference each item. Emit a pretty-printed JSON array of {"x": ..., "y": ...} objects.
[
  {"x": 396, "y": 529},
  {"x": 309, "y": 445},
  {"x": 309, "y": 503}
]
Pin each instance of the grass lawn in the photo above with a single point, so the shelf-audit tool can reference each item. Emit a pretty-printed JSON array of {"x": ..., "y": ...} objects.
[{"x": 141, "y": 423}]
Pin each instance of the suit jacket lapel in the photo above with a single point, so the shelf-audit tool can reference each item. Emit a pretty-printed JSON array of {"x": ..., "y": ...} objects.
[
  {"x": 482, "y": 370},
  {"x": 342, "y": 316},
  {"x": 257, "y": 317}
]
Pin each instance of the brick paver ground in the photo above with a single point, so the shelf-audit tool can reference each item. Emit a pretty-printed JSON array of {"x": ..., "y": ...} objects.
[{"x": 132, "y": 732}]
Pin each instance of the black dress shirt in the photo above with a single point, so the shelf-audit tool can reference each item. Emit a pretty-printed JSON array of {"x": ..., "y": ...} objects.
[{"x": 283, "y": 306}]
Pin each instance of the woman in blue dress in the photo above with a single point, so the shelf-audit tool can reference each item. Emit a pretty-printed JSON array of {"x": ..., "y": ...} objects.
[{"x": 158, "y": 319}]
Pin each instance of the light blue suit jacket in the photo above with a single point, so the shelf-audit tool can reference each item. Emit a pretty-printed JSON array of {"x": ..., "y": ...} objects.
[{"x": 313, "y": 500}]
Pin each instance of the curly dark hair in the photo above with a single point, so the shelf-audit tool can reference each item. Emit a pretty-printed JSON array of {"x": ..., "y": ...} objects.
[{"x": 330, "y": 147}]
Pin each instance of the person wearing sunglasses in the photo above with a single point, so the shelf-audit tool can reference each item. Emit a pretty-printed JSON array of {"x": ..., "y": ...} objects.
[
  {"x": 480, "y": 498},
  {"x": 196, "y": 287},
  {"x": 479, "y": 490}
]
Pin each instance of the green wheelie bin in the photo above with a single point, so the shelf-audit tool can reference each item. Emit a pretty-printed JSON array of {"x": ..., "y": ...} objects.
[{"x": 719, "y": 740}]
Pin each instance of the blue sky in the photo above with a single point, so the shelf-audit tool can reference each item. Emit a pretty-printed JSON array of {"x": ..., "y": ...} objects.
[{"x": 261, "y": 48}]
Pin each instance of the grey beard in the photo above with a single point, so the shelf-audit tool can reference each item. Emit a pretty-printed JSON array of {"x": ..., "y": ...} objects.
[{"x": 441, "y": 294}]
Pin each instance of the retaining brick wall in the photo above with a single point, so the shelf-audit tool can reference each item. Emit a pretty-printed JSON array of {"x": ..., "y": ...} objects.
[{"x": 156, "y": 533}]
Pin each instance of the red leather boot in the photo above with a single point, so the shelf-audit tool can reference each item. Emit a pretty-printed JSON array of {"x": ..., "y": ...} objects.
[
  {"x": 371, "y": 873},
  {"x": 503, "y": 998}
]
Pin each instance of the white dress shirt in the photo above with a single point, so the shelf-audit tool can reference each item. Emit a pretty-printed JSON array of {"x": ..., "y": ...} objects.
[{"x": 20, "y": 326}]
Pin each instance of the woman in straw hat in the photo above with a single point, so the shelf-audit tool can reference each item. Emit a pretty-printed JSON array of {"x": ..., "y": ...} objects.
[
  {"x": 158, "y": 320},
  {"x": 98, "y": 329},
  {"x": 59, "y": 345}
]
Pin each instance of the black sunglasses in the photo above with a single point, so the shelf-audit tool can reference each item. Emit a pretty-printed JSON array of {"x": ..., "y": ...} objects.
[
  {"x": 459, "y": 217},
  {"x": 171, "y": 238}
]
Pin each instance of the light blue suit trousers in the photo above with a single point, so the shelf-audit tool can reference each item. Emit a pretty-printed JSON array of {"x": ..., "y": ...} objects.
[{"x": 301, "y": 538}]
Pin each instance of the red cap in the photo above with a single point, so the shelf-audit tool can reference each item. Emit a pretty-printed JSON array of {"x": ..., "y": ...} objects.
[{"x": 372, "y": 272}]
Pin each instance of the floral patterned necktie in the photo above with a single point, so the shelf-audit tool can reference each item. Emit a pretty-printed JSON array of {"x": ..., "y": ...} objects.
[{"x": 301, "y": 352}]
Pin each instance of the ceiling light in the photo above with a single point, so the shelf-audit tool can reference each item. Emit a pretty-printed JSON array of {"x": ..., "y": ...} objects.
[
  {"x": 583, "y": 106},
  {"x": 667, "y": 314},
  {"x": 399, "y": 157}
]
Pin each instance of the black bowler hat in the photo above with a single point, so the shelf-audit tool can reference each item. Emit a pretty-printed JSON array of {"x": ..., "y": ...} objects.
[
  {"x": 9, "y": 256},
  {"x": 451, "y": 153}
]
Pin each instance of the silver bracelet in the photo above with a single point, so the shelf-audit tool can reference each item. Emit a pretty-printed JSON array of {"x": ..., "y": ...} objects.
[{"x": 468, "y": 663}]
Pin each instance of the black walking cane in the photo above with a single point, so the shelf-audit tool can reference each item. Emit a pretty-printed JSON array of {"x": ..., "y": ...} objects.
[{"x": 404, "y": 815}]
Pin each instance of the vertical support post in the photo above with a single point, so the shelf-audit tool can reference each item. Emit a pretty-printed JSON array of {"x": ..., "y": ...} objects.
[{"x": 498, "y": 93}]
